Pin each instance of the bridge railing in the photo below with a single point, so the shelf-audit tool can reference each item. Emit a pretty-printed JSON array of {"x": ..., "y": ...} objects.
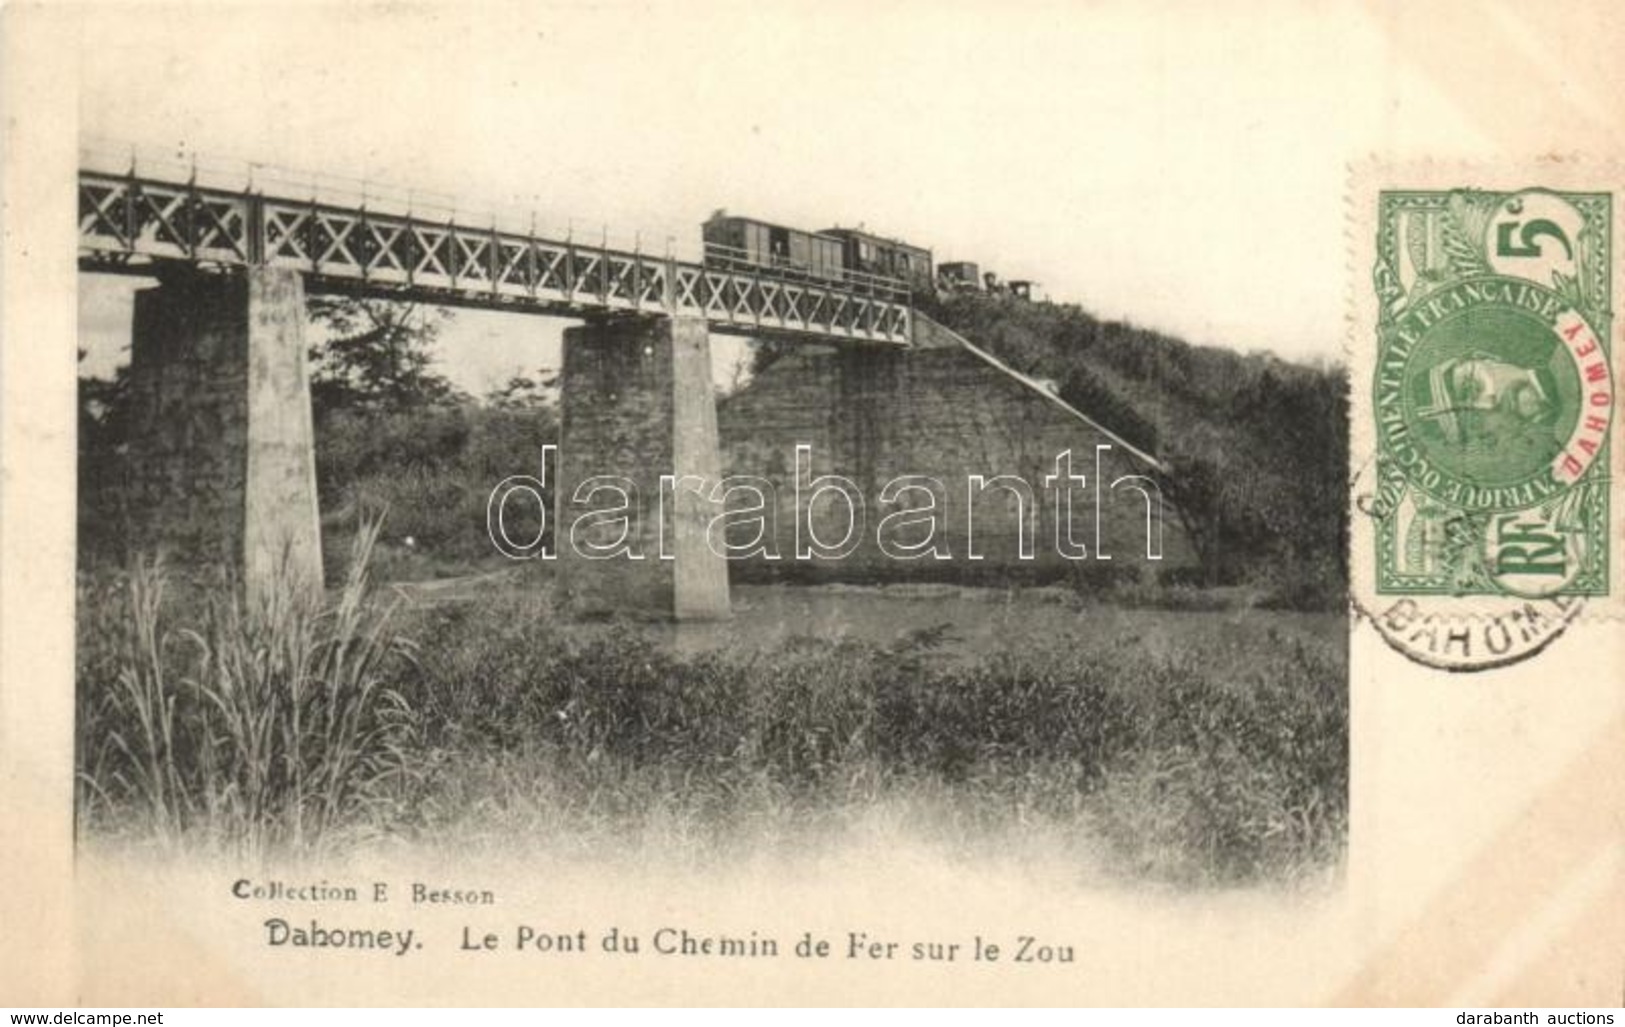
[
  {"x": 126, "y": 216},
  {"x": 735, "y": 258},
  {"x": 246, "y": 177}
]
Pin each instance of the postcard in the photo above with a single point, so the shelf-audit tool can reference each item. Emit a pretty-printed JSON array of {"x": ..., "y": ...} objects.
[{"x": 940, "y": 504}]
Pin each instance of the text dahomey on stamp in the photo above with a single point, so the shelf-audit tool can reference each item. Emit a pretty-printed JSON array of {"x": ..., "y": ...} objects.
[{"x": 1488, "y": 397}]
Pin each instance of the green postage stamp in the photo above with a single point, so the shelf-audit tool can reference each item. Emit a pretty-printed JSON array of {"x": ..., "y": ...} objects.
[
  {"x": 1492, "y": 394},
  {"x": 1484, "y": 516}
]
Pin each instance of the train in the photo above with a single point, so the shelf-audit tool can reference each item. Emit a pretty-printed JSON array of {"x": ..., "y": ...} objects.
[{"x": 852, "y": 256}]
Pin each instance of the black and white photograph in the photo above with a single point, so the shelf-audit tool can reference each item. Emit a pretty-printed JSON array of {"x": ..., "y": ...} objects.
[{"x": 724, "y": 504}]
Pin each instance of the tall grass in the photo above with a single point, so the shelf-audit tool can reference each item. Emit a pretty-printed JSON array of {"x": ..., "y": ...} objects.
[
  {"x": 1209, "y": 763},
  {"x": 1209, "y": 766},
  {"x": 203, "y": 720}
]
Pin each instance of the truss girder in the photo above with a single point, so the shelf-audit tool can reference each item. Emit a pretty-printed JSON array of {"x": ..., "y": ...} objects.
[{"x": 121, "y": 217}]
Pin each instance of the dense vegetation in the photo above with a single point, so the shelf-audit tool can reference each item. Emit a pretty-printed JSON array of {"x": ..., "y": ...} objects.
[
  {"x": 1257, "y": 447},
  {"x": 394, "y": 439},
  {"x": 200, "y": 726},
  {"x": 1206, "y": 760}
]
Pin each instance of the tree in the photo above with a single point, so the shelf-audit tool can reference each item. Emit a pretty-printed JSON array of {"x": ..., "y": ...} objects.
[
  {"x": 377, "y": 357},
  {"x": 104, "y": 416},
  {"x": 525, "y": 392},
  {"x": 764, "y": 353}
]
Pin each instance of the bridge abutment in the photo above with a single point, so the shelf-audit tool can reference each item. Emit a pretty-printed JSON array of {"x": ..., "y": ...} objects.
[
  {"x": 222, "y": 448},
  {"x": 638, "y": 404}
]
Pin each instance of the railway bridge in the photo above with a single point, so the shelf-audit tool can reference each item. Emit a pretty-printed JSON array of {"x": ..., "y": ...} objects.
[{"x": 221, "y": 444}]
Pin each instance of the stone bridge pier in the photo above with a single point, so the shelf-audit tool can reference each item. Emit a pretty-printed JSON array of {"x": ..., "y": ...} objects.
[
  {"x": 639, "y": 405},
  {"x": 222, "y": 464},
  {"x": 222, "y": 467}
]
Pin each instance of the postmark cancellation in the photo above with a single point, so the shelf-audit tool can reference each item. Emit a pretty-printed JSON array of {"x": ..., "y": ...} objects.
[{"x": 1484, "y": 396}]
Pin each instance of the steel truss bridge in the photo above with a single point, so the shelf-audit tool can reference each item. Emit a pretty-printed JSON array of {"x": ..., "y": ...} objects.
[{"x": 130, "y": 223}]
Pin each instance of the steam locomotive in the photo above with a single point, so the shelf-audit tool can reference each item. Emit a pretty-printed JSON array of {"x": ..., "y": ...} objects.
[{"x": 848, "y": 255}]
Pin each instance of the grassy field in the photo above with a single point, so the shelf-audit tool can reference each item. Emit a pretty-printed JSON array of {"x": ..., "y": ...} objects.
[{"x": 1190, "y": 747}]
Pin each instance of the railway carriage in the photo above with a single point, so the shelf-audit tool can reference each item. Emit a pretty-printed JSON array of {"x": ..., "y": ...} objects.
[
  {"x": 852, "y": 256},
  {"x": 871, "y": 254},
  {"x": 744, "y": 243},
  {"x": 959, "y": 276}
]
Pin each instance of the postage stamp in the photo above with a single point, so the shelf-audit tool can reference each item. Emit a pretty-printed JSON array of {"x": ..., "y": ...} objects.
[{"x": 1491, "y": 394}]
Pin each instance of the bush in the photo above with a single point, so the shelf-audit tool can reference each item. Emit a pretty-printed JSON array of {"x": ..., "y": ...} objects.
[{"x": 428, "y": 474}]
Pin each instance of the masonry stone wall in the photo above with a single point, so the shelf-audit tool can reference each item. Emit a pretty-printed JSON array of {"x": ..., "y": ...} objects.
[
  {"x": 221, "y": 470},
  {"x": 638, "y": 405},
  {"x": 189, "y": 419},
  {"x": 944, "y": 412}
]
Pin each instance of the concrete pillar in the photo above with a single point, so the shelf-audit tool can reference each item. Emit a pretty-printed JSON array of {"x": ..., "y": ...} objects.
[
  {"x": 222, "y": 454},
  {"x": 638, "y": 403}
]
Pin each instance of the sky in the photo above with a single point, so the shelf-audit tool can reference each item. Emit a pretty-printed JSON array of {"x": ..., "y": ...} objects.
[{"x": 1180, "y": 165}]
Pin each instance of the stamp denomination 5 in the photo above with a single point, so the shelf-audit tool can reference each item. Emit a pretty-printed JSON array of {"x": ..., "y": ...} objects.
[{"x": 1486, "y": 491}]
